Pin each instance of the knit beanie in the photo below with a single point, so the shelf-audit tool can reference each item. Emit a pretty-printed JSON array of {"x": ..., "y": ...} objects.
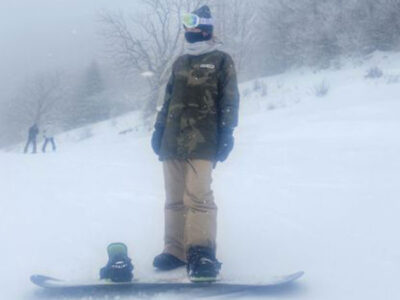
[{"x": 205, "y": 13}]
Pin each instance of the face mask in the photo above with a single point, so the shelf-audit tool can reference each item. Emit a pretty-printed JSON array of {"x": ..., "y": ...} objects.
[{"x": 194, "y": 37}]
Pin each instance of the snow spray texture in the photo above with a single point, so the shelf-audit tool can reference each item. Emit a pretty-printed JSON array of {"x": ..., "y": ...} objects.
[{"x": 201, "y": 101}]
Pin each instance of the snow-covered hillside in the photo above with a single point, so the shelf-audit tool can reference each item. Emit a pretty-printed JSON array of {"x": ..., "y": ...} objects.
[{"x": 312, "y": 184}]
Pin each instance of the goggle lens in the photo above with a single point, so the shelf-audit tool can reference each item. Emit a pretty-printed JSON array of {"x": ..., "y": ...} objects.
[{"x": 190, "y": 20}]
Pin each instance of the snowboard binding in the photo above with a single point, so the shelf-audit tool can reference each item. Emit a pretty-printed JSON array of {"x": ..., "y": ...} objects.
[
  {"x": 119, "y": 267},
  {"x": 202, "y": 264}
]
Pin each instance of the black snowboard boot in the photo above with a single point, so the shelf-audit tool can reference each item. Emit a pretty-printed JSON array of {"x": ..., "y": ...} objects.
[
  {"x": 167, "y": 262},
  {"x": 119, "y": 267},
  {"x": 202, "y": 265}
]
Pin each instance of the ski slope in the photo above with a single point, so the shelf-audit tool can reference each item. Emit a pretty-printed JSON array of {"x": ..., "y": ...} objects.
[{"x": 312, "y": 185}]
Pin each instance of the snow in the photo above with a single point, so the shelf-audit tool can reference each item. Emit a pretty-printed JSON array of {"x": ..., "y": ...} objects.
[{"x": 311, "y": 185}]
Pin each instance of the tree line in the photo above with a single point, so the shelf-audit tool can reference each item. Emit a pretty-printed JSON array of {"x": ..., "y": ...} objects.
[{"x": 264, "y": 38}]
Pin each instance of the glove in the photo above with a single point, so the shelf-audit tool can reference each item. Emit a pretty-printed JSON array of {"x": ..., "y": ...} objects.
[
  {"x": 156, "y": 139},
  {"x": 225, "y": 144}
]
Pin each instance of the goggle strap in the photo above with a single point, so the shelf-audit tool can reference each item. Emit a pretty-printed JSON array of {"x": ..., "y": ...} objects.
[{"x": 204, "y": 21}]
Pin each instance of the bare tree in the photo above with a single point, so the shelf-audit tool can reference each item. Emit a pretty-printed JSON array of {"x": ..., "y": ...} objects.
[
  {"x": 235, "y": 25},
  {"x": 39, "y": 100},
  {"x": 148, "y": 42}
]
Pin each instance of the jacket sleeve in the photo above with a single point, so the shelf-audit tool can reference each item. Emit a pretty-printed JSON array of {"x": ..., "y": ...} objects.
[
  {"x": 228, "y": 106},
  {"x": 163, "y": 113}
]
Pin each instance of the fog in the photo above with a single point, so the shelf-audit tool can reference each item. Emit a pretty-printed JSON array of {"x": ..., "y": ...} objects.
[
  {"x": 93, "y": 55},
  {"x": 42, "y": 34},
  {"x": 312, "y": 180}
]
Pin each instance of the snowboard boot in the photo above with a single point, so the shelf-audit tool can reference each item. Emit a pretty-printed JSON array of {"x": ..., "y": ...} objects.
[
  {"x": 119, "y": 267},
  {"x": 167, "y": 262},
  {"x": 202, "y": 265}
]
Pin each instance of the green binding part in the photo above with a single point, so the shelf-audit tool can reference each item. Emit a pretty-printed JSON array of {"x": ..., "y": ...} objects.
[{"x": 117, "y": 249}]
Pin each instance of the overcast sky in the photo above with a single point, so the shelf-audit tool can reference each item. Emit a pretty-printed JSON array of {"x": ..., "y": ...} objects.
[{"x": 36, "y": 35}]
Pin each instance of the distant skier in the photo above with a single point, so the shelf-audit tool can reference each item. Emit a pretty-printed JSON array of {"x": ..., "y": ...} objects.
[
  {"x": 48, "y": 136},
  {"x": 193, "y": 131},
  {"x": 32, "y": 134}
]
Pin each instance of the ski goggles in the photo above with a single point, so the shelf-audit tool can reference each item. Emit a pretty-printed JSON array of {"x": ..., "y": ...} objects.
[{"x": 192, "y": 21}]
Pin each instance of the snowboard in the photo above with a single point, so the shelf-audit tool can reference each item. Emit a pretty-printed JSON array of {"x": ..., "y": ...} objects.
[{"x": 138, "y": 285}]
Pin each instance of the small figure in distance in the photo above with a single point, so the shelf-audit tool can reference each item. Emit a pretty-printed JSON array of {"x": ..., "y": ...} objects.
[
  {"x": 48, "y": 135},
  {"x": 32, "y": 134}
]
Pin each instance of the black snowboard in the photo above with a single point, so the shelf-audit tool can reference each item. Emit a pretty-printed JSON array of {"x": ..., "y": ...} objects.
[{"x": 138, "y": 285}]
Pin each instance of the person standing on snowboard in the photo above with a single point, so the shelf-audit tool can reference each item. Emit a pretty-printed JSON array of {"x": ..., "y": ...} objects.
[{"x": 194, "y": 131}]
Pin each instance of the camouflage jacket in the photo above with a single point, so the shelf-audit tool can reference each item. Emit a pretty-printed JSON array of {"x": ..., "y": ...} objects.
[{"x": 201, "y": 101}]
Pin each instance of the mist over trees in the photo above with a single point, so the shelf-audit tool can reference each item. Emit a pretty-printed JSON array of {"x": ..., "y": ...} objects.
[
  {"x": 91, "y": 102},
  {"x": 264, "y": 38},
  {"x": 38, "y": 100},
  {"x": 318, "y": 32}
]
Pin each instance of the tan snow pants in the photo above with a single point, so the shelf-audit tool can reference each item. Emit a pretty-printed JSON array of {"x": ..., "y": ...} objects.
[{"x": 190, "y": 210}]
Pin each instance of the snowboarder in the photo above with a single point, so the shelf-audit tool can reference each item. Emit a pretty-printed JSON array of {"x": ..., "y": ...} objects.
[
  {"x": 194, "y": 131},
  {"x": 32, "y": 134},
  {"x": 48, "y": 136}
]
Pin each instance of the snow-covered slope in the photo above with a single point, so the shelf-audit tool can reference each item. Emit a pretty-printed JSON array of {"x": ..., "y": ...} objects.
[{"x": 311, "y": 185}]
